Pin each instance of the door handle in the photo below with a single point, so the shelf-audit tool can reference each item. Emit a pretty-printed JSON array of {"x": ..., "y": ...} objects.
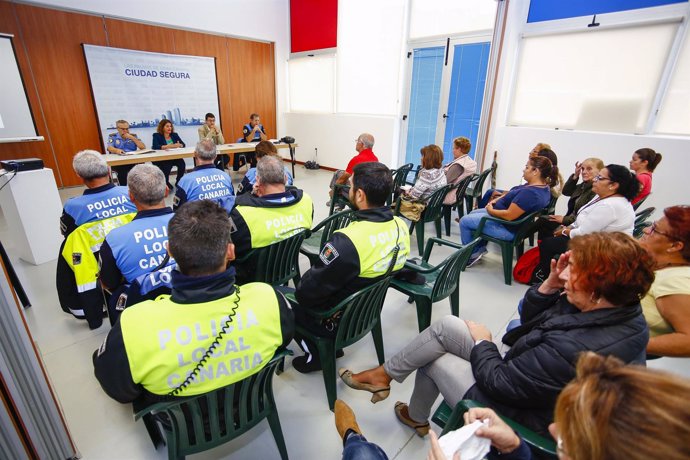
[{"x": 445, "y": 116}]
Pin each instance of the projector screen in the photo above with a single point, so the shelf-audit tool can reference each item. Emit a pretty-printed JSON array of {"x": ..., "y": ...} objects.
[
  {"x": 16, "y": 122},
  {"x": 143, "y": 88}
]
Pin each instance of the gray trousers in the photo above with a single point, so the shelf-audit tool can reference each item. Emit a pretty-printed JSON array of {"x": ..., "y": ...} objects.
[{"x": 441, "y": 357}]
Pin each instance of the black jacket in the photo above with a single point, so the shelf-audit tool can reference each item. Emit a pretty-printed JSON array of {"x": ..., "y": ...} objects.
[{"x": 525, "y": 383}]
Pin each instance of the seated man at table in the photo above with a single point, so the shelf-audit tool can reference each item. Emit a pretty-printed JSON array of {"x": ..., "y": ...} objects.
[
  {"x": 355, "y": 257},
  {"x": 121, "y": 142},
  {"x": 211, "y": 131},
  {"x": 85, "y": 221},
  {"x": 139, "y": 247},
  {"x": 363, "y": 146},
  {"x": 205, "y": 182},
  {"x": 271, "y": 215},
  {"x": 263, "y": 149},
  {"x": 251, "y": 132},
  {"x": 147, "y": 356}
]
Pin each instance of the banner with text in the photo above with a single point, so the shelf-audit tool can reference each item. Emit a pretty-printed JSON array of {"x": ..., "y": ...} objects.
[{"x": 144, "y": 88}]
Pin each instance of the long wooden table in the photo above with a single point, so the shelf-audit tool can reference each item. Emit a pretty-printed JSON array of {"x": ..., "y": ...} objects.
[{"x": 188, "y": 152}]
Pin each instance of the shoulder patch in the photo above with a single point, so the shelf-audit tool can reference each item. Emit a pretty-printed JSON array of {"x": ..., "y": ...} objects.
[
  {"x": 76, "y": 258},
  {"x": 328, "y": 254}
]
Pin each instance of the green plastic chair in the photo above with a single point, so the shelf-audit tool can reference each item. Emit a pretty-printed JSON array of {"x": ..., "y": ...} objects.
[
  {"x": 361, "y": 314},
  {"x": 639, "y": 203},
  {"x": 200, "y": 423},
  {"x": 521, "y": 227},
  {"x": 474, "y": 194},
  {"x": 278, "y": 263},
  {"x": 460, "y": 190},
  {"x": 338, "y": 199},
  {"x": 442, "y": 280},
  {"x": 452, "y": 419},
  {"x": 399, "y": 178},
  {"x": 432, "y": 213},
  {"x": 548, "y": 211},
  {"x": 319, "y": 235},
  {"x": 641, "y": 221}
]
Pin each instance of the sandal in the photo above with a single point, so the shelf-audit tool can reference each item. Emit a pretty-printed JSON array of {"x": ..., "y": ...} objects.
[
  {"x": 379, "y": 393},
  {"x": 401, "y": 411}
]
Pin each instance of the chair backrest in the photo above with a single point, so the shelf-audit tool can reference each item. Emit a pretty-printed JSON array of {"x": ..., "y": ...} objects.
[
  {"x": 361, "y": 311},
  {"x": 278, "y": 263},
  {"x": 206, "y": 421},
  {"x": 333, "y": 223},
  {"x": 641, "y": 216},
  {"x": 434, "y": 206},
  {"x": 449, "y": 275},
  {"x": 400, "y": 175},
  {"x": 478, "y": 185},
  {"x": 551, "y": 207},
  {"x": 462, "y": 187},
  {"x": 639, "y": 203}
]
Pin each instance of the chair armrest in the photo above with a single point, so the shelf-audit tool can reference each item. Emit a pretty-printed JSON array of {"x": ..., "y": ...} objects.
[{"x": 506, "y": 223}]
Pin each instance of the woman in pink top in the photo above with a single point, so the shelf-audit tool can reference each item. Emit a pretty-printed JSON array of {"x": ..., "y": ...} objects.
[{"x": 643, "y": 162}]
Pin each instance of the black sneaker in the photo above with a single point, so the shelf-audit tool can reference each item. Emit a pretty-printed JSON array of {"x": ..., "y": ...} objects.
[{"x": 303, "y": 366}]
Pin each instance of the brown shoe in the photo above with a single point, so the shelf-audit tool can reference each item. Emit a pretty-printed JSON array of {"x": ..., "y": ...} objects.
[
  {"x": 345, "y": 419},
  {"x": 377, "y": 393},
  {"x": 401, "y": 411}
]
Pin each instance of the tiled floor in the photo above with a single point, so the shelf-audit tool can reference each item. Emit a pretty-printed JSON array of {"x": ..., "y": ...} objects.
[{"x": 105, "y": 429}]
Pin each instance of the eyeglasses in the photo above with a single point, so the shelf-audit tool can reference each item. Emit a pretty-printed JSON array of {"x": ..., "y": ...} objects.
[
  {"x": 599, "y": 177},
  {"x": 653, "y": 229}
]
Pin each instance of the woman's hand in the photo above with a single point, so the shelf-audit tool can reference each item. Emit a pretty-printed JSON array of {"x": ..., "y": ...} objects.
[
  {"x": 501, "y": 435},
  {"x": 553, "y": 283},
  {"x": 578, "y": 169},
  {"x": 436, "y": 453},
  {"x": 558, "y": 219},
  {"x": 478, "y": 331}
]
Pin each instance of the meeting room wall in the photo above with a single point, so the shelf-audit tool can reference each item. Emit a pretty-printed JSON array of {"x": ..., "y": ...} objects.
[
  {"x": 48, "y": 44},
  {"x": 514, "y": 142}
]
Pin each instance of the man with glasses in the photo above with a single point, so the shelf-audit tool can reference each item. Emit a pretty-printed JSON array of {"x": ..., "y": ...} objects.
[
  {"x": 363, "y": 145},
  {"x": 120, "y": 143}
]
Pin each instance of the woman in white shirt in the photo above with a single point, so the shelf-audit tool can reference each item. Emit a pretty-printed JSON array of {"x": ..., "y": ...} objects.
[{"x": 609, "y": 211}]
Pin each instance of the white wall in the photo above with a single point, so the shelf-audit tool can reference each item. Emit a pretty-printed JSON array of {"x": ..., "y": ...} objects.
[
  {"x": 671, "y": 184},
  {"x": 266, "y": 20}
]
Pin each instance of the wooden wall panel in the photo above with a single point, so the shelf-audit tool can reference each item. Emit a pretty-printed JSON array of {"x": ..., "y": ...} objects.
[
  {"x": 252, "y": 82},
  {"x": 135, "y": 36},
  {"x": 198, "y": 44},
  {"x": 42, "y": 150},
  {"x": 53, "y": 40}
]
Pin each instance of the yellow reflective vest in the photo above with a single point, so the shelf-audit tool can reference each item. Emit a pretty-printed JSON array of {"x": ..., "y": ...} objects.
[{"x": 268, "y": 225}]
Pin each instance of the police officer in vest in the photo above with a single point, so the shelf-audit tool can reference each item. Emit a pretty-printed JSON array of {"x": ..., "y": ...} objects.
[
  {"x": 151, "y": 352},
  {"x": 121, "y": 142},
  {"x": 206, "y": 182},
  {"x": 355, "y": 257},
  {"x": 251, "y": 132},
  {"x": 85, "y": 222},
  {"x": 139, "y": 247},
  {"x": 271, "y": 215}
]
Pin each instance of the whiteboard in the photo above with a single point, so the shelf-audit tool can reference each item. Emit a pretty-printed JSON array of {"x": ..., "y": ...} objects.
[
  {"x": 143, "y": 88},
  {"x": 16, "y": 121}
]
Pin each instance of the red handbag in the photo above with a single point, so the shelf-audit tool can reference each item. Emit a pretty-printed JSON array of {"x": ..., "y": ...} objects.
[{"x": 522, "y": 273}]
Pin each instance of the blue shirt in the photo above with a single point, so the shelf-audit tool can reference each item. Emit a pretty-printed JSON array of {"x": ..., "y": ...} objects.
[
  {"x": 128, "y": 145},
  {"x": 95, "y": 204},
  {"x": 206, "y": 182},
  {"x": 529, "y": 198},
  {"x": 250, "y": 179},
  {"x": 248, "y": 129}
]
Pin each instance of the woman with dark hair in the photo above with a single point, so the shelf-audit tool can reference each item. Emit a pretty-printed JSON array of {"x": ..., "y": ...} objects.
[
  {"x": 165, "y": 138},
  {"x": 609, "y": 211},
  {"x": 590, "y": 302},
  {"x": 644, "y": 162},
  {"x": 667, "y": 304},
  {"x": 539, "y": 173}
]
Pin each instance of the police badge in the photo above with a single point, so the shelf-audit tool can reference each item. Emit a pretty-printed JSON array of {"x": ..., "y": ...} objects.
[{"x": 76, "y": 258}]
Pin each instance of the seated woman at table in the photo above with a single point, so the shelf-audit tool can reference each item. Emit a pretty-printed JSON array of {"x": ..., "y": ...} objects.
[
  {"x": 165, "y": 138},
  {"x": 590, "y": 302},
  {"x": 609, "y": 211},
  {"x": 263, "y": 149},
  {"x": 667, "y": 304},
  {"x": 539, "y": 174}
]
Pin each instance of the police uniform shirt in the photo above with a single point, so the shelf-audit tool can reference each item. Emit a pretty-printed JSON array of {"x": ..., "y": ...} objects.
[
  {"x": 112, "y": 364},
  {"x": 248, "y": 129},
  {"x": 275, "y": 215},
  {"x": 206, "y": 182},
  {"x": 136, "y": 248},
  {"x": 352, "y": 260},
  {"x": 95, "y": 204},
  {"x": 128, "y": 145},
  {"x": 249, "y": 180}
]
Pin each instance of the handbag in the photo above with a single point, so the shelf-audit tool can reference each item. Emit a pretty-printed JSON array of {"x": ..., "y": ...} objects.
[
  {"x": 522, "y": 273},
  {"x": 412, "y": 209}
]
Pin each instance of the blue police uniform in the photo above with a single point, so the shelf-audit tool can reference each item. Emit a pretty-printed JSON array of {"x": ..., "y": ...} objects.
[
  {"x": 205, "y": 183},
  {"x": 95, "y": 204},
  {"x": 249, "y": 180},
  {"x": 248, "y": 129},
  {"x": 136, "y": 248},
  {"x": 128, "y": 145}
]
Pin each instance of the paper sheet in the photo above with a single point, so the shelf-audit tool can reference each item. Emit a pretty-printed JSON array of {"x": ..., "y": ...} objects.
[{"x": 471, "y": 447}]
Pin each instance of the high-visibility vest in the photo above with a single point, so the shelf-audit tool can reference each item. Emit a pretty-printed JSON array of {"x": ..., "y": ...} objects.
[{"x": 268, "y": 225}]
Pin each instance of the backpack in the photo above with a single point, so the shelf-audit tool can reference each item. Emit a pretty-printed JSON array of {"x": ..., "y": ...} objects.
[{"x": 522, "y": 273}]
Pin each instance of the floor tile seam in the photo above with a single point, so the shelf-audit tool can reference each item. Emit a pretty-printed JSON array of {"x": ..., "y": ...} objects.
[
  {"x": 403, "y": 446},
  {"x": 46, "y": 354}
]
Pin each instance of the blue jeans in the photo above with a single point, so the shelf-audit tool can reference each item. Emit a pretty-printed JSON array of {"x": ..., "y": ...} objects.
[
  {"x": 470, "y": 222},
  {"x": 358, "y": 448}
]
